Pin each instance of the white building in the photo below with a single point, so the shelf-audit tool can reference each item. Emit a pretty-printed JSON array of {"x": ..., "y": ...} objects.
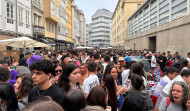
[
  {"x": 8, "y": 16},
  {"x": 101, "y": 24},
  {"x": 61, "y": 26}
]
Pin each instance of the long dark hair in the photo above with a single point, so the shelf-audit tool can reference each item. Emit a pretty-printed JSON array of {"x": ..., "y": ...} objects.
[
  {"x": 185, "y": 94},
  {"x": 24, "y": 88},
  {"x": 74, "y": 100},
  {"x": 97, "y": 96},
  {"x": 136, "y": 68},
  {"x": 8, "y": 96},
  {"x": 63, "y": 81},
  {"x": 112, "y": 97}
]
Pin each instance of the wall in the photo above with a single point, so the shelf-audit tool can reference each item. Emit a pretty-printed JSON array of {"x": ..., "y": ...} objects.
[{"x": 172, "y": 36}]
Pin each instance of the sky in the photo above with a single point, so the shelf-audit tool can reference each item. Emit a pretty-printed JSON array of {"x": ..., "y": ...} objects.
[{"x": 89, "y": 7}]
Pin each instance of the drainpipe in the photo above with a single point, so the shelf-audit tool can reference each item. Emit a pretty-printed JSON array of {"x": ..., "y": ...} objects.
[{"x": 16, "y": 23}]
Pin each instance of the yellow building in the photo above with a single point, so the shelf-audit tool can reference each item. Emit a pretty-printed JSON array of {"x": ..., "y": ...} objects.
[
  {"x": 51, "y": 17},
  {"x": 123, "y": 10},
  {"x": 68, "y": 23}
]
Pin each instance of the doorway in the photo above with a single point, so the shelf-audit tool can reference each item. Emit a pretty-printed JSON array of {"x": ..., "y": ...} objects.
[{"x": 152, "y": 43}]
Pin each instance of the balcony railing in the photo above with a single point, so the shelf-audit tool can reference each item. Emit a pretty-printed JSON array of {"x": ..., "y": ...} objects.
[{"x": 39, "y": 30}]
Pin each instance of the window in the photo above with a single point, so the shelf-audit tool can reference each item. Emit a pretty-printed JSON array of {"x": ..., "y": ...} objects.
[
  {"x": 27, "y": 19},
  {"x": 10, "y": 13},
  {"x": 52, "y": 8},
  {"x": 57, "y": 11},
  {"x": 47, "y": 26},
  {"x": 20, "y": 16},
  {"x": 59, "y": 28},
  {"x": 52, "y": 28}
]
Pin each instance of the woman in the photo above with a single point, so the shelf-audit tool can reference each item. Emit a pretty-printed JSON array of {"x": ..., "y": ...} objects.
[
  {"x": 14, "y": 63},
  {"x": 8, "y": 101},
  {"x": 137, "y": 83},
  {"x": 58, "y": 73},
  {"x": 177, "y": 99},
  {"x": 74, "y": 100},
  {"x": 114, "y": 73},
  {"x": 109, "y": 83},
  {"x": 69, "y": 78},
  {"x": 136, "y": 68},
  {"x": 22, "y": 87},
  {"x": 98, "y": 96}
]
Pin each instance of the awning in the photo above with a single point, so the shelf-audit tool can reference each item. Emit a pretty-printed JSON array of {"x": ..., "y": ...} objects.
[{"x": 49, "y": 42}]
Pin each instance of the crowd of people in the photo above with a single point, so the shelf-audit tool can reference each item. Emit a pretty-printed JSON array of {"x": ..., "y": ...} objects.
[{"x": 93, "y": 80}]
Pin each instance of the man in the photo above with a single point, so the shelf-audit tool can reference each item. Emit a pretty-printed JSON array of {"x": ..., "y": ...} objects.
[
  {"x": 171, "y": 73},
  {"x": 162, "y": 61},
  {"x": 92, "y": 80},
  {"x": 184, "y": 77},
  {"x": 106, "y": 62},
  {"x": 28, "y": 55},
  {"x": 153, "y": 61},
  {"x": 5, "y": 74},
  {"x": 169, "y": 56},
  {"x": 42, "y": 71}
]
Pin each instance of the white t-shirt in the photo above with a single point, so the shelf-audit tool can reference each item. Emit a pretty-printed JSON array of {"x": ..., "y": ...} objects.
[
  {"x": 104, "y": 67},
  {"x": 90, "y": 82},
  {"x": 188, "y": 59},
  {"x": 153, "y": 59},
  {"x": 125, "y": 74}
]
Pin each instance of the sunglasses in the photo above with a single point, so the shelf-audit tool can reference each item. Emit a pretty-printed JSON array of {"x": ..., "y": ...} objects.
[{"x": 56, "y": 71}]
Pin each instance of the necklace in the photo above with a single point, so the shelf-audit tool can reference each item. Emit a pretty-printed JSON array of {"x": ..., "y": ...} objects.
[{"x": 42, "y": 92}]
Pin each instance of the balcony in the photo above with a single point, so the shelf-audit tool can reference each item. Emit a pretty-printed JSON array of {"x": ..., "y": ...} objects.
[{"x": 38, "y": 30}]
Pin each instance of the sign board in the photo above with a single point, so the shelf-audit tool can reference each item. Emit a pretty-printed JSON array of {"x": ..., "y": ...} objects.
[{"x": 15, "y": 54}]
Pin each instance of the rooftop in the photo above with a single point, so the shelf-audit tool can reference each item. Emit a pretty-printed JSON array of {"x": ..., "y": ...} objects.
[{"x": 103, "y": 12}]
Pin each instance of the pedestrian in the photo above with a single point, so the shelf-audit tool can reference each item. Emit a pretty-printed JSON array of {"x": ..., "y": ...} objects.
[{"x": 42, "y": 71}]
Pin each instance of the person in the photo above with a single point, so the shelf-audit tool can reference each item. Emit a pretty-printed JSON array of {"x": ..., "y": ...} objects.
[
  {"x": 154, "y": 63},
  {"x": 162, "y": 60},
  {"x": 92, "y": 80},
  {"x": 58, "y": 73},
  {"x": 8, "y": 101},
  {"x": 106, "y": 61},
  {"x": 109, "y": 83},
  {"x": 93, "y": 108},
  {"x": 43, "y": 106},
  {"x": 171, "y": 73},
  {"x": 42, "y": 71},
  {"x": 74, "y": 100},
  {"x": 65, "y": 60},
  {"x": 136, "y": 68},
  {"x": 137, "y": 82},
  {"x": 184, "y": 77},
  {"x": 177, "y": 99},
  {"x": 125, "y": 74},
  {"x": 70, "y": 78},
  {"x": 134, "y": 102},
  {"x": 14, "y": 63},
  {"x": 84, "y": 73},
  {"x": 184, "y": 65},
  {"x": 5, "y": 74},
  {"x": 98, "y": 96},
  {"x": 22, "y": 87},
  {"x": 114, "y": 73},
  {"x": 169, "y": 56}
]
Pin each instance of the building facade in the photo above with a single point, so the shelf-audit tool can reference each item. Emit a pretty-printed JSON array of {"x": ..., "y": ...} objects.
[
  {"x": 123, "y": 10},
  {"x": 15, "y": 19},
  {"x": 160, "y": 25},
  {"x": 101, "y": 28},
  {"x": 37, "y": 19},
  {"x": 89, "y": 34},
  {"x": 61, "y": 26},
  {"x": 50, "y": 18},
  {"x": 68, "y": 25}
]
